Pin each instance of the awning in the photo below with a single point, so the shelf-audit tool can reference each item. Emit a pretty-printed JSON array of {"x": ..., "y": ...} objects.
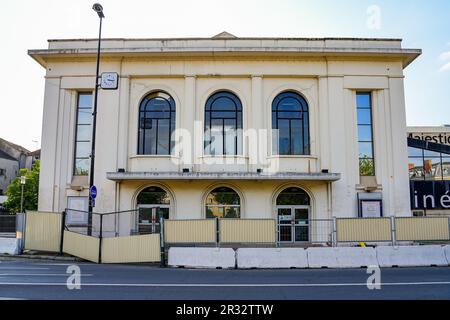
[{"x": 124, "y": 176}]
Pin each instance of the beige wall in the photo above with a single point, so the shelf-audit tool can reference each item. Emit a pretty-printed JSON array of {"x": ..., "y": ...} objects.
[{"x": 328, "y": 85}]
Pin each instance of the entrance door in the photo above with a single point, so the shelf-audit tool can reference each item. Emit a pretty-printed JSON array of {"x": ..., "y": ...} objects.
[
  {"x": 301, "y": 219},
  {"x": 148, "y": 218},
  {"x": 293, "y": 223}
]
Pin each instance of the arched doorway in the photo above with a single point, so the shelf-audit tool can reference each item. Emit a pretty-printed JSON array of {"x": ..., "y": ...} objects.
[
  {"x": 293, "y": 207},
  {"x": 153, "y": 203}
]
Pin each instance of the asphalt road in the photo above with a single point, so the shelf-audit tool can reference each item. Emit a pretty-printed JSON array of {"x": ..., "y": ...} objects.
[{"x": 29, "y": 279}]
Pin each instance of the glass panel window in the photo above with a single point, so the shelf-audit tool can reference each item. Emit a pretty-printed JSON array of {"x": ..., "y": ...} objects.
[
  {"x": 153, "y": 196},
  {"x": 415, "y": 152},
  {"x": 223, "y": 124},
  {"x": 223, "y": 202},
  {"x": 432, "y": 168},
  {"x": 290, "y": 125},
  {"x": 445, "y": 167},
  {"x": 364, "y": 116},
  {"x": 415, "y": 166},
  {"x": 156, "y": 124},
  {"x": 366, "y": 167},
  {"x": 83, "y": 135},
  {"x": 365, "y": 134},
  {"x": 293, "y": 197}
]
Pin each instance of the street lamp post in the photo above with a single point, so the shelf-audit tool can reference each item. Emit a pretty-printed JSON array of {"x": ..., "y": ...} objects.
[
  {"x": 23, "y": 180},
  {"x": 99, "y": 9}
]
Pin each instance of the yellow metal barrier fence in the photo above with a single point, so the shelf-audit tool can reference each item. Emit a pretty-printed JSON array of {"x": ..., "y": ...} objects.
[
  {"x": 190, "y": 231},
  {"x": 132, "y": 249},
  {"x": 43, "y": 231},
  {"x": 247, "y": 231},
  {"x": 360, "y": 229},
  {"x": 422, "y": 229},
  {"x": 82, "y": 246}
]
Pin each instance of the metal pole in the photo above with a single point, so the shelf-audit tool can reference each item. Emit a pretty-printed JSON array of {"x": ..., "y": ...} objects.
[
  {"x": 100, "y": 240},
  {"x": 335, "y": 240},
  {"x": 63, "y": 228},
  {"x": 21, "y": 199},
  {"x": 94, "y": 126},
  {"x": 162, "y": 245},
  {"x": 393, "y": 231}
]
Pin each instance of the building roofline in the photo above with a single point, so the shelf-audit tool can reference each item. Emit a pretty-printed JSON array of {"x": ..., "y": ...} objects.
[
  {"x": 231, "y": 39},
  {"x": 406, "y": 55},
  {"x": 4, "y": 155}
]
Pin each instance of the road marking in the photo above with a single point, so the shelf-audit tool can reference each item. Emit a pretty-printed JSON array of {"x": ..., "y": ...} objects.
[
  {"x": 206, "y": 285},
  {"x": 22, "y": 268},
  {"x": 41, "y": 274}
]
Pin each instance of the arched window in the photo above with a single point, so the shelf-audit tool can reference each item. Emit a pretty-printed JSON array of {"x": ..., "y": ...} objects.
[
  {"x": 153, "y": 196},
  {"x": 293, "y": 197},
  {"x": 156, "y": 124},
  {"x": 223, "y": 124},
  {"x": 223, "y": 202},
  {"x": 290, "y": 118}
]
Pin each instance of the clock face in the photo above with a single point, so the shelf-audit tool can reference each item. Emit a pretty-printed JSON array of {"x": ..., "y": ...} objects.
[{"x": 109, "y": 81}]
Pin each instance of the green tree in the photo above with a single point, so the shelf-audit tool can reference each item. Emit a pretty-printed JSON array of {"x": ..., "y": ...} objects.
[{"x": 30, "y": 190}]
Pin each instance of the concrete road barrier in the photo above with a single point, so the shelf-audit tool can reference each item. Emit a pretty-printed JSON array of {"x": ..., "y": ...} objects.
[
  {"x": 346, "y": 257},
  {"x": 411, "y": 256},
  {"x": 202, "y": 257},
  {"x": 271, "y": 258},
  {"x": 447, "y": 253},
  {"x": 9, "y": 246}
]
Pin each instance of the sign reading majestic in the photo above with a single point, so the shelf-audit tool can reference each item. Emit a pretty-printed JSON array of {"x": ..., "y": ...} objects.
[{"x": 435, "y": 137}]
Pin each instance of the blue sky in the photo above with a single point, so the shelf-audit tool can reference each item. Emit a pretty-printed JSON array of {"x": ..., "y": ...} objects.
[{"x": 27, "y": 24}]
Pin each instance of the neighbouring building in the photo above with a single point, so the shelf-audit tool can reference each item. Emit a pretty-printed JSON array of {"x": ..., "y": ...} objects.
[
  {"x": 9, "y": 167},
  {"x": 13, "y": 158},
  {"x": 280, "y": 128},
  {"x": 429, "y": 169}
]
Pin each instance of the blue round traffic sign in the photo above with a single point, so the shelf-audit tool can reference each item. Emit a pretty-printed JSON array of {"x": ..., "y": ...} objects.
[{"x": 93, "y": 192}]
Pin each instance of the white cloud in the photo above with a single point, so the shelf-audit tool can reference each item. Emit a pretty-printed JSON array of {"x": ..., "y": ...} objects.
[
  {"x": 445, "y": 56},
  {"x": 445, "y": 67}
]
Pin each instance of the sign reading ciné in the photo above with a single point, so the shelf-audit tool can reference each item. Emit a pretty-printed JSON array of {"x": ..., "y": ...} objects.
[{"x": 430, "y": 195}]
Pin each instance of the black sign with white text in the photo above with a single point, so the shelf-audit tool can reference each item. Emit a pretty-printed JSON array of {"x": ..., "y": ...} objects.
[{"x": 430, "y": 195}]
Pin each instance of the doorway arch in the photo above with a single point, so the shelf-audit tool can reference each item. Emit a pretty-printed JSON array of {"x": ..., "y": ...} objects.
[
  {"x": 293, "y": 210},
  {"x": 153, "y": 203}
]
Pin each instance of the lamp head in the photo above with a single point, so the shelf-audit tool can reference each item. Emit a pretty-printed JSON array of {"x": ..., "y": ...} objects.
[{"x": 97, "y": 7}]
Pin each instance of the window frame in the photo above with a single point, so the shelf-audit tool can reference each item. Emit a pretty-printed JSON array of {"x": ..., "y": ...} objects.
[
  {"x": 172, "y": 123},
  {"x": 206, "y": 205},
  {"x": 304, "y": 118},
  {"x": 76, "y": 141},
  {"x": 207, "y": 127},
  {"x": 372, "y": 141}
]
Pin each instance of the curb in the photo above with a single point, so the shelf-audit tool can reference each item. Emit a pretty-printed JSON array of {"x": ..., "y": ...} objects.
[{"x": 40, "y": 257}]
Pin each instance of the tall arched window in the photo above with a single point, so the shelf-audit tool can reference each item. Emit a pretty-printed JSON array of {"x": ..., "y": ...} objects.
[
  {"x": 290, "y": 119},
  {"x": 223, "y": 124},
  {"x": 156, "y": 124},
  {"x": 223, "y": 202}
]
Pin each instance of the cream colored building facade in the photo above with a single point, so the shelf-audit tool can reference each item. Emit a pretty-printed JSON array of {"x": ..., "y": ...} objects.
[{"x": 327, "y": 73}]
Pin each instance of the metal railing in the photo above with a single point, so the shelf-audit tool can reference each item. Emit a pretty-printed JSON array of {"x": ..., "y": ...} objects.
[
  {"x": 396, "y": 230},
  {"x": 304, "y": 232}
]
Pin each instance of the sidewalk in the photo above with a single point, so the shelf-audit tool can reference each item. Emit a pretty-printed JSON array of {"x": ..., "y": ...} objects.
[{"x": 40, "y": 256}]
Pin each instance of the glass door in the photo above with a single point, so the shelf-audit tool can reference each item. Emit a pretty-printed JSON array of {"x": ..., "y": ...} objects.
[
  {"x": 301, "y": 232},
  {"x": 148, "y": 220},
  {"x": 285, "y": 225}
]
